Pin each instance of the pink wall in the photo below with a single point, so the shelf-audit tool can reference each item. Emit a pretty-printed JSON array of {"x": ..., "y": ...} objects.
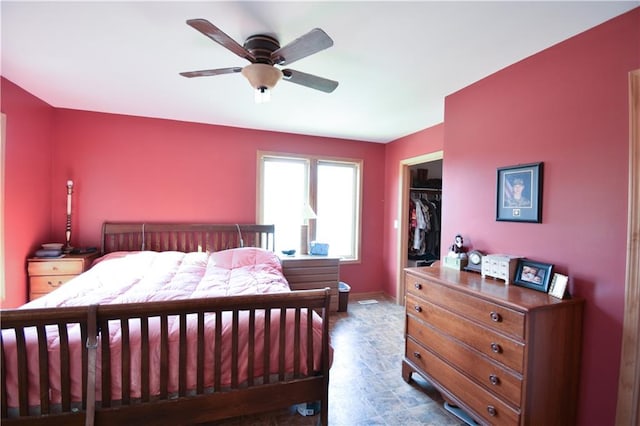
[
  {"x": 423, "y": 142},
  {"x": 568, "y": 107},
  {"x": 27, "y": 184},
  {"x": 132, "y": 168}
]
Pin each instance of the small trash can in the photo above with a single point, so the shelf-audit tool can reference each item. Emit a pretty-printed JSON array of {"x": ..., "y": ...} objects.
[{"x": 343, "y": 296}]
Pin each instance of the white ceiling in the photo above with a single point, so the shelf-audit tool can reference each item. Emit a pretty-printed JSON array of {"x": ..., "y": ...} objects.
[{"x": 395, "y": 61}]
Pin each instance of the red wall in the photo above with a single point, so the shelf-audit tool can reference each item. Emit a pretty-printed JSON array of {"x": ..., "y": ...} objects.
[
  {"x": 27, "y": 184},
  {"x": 568, "y": 107},
  {"x": 132, "y": 168}
]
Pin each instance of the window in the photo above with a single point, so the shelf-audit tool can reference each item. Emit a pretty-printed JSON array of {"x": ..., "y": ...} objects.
[{"x": 331, "y": 187}]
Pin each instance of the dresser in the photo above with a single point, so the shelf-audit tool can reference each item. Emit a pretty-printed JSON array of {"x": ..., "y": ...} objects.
[
  {"x": 506, "y": 355},
  {"x": 47, "y": 274},
  {"x": 306, "y": 272}
]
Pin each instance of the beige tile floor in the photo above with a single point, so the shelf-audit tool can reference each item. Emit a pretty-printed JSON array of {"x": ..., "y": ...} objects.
[{"x": 366, "y": 385}]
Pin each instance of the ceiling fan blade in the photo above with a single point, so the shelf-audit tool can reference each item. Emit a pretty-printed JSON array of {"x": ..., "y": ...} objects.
[
  {"x": 309, "y": 80},
  {"x": 216, "y": 34},
  {"x": 308, "y": 44},
  {"x": 206, "y": 73}
]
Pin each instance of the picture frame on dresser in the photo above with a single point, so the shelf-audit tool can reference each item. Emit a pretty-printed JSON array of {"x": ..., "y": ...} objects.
[
  {"x": 558, "y": 286},
  {"x": 519, "y": 193},
  {"x": 533, "y": 275}
]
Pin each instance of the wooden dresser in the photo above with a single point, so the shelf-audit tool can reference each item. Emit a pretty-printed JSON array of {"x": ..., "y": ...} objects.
[
  {"x": 506, "y": 355},
  {"x": 47, "y": 274},
  {"x": 306, "y": 272}
]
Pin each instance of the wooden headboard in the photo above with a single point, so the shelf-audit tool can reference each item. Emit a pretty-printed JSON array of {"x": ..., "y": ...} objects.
[{"x": 185, "y": 237}]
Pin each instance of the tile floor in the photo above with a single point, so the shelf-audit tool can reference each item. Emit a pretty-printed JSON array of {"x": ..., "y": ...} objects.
[{"x": 365, "y": 384}]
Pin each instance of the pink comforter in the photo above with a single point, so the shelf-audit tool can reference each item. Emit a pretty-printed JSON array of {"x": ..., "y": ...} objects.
[{"x": 137, "y": 277}]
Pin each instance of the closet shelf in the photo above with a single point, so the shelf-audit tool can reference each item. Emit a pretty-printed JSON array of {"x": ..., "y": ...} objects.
[{"x": 425, "y": 189}]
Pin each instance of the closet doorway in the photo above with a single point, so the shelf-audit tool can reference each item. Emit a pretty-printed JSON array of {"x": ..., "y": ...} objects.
[{"x": 420, "y": 180}]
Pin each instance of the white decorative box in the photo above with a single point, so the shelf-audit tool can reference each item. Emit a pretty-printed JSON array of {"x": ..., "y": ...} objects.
[{"x": 500, "y": 266}]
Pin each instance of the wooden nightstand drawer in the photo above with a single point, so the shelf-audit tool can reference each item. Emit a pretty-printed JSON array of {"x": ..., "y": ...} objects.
[
  {"x": 45, "y": 284},
  {"x": 55, "y": 267}
]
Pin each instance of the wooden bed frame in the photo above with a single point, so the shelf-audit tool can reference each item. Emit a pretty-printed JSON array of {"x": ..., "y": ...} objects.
[{"x": 188, "y": 406}]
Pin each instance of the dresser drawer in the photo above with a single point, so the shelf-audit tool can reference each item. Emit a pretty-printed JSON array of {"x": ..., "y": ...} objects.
[
  {"x": 484, "y": 404},
  {"x": 500, "y": 318},
  {"x": 494, "y": 377},
  {"x": 46, "y": 284},
  {"x": 496, "y": 346},
  {"x": 58, "y": 267}
]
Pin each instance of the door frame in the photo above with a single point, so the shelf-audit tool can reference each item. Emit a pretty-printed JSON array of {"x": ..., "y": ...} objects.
[
  {"x": 402, "y": 236},
  {"x": 627, "y": 411}
]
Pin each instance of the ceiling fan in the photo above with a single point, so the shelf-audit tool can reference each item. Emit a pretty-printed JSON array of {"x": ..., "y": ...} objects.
[{"x": 264, "y": 53}]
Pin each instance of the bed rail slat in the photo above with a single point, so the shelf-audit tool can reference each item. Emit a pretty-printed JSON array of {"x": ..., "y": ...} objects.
[
  {"x": 309, "y": 329},
  {"x": 84, "y": 334},
  {"x": 281, "y": 344},
  {"x": 43, "y": 368},
  {"x": 125, "y": 359},
  {"x": 200, "y": 354},
  {"x": 218, "y": 351},
  {"x": 182, "y": 362},
  {"x": 23, "y": 381},
  {"x": 252, "y": 346},
  {"x": 296, "y": 344},
  {"x": 65, "y": 374},
  {"x": 106, "y": 362},
  {"x": 164, "y": 356},
  {"x": 267, "y": 346},
  {"x": 234, "y": 351},
  {"x": 4, "y": 412},
  {"x": 144, "y": 357}
]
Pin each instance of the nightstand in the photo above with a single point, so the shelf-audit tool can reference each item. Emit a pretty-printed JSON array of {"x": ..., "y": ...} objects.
[
  {"x": 47, "y": 274},
  {"x": 306, "y": 272}
]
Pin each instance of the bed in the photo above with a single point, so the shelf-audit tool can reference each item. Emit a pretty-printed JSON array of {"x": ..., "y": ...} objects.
[{"x": 205, "y": 329}]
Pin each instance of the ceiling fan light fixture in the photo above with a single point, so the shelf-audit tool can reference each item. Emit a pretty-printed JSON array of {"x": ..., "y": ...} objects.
[
  {"x": 262, "y": 95},
  {"x": 262, "y": 77}
]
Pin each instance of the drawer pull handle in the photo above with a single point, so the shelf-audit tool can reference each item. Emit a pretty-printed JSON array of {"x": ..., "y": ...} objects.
[
  {"x": 496, "y": 317},
  {"x": 418, "y": 286},
  {"x": 417, "y": 355},
  {"x": 418, "y": 308},
  {"x": 492, "y": 410},
  {"x": 496, "y": 348},
  {"x": 54, "y": 285},
  {"x": 54, "y": 268},
  {"x": 494, "y": 379}
]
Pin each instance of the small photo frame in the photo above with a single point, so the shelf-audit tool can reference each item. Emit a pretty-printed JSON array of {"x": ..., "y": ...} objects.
[
  {"x": 558, "y": 285},
  {"x": 519, "y": 193},
  {"x": 533, "y": 275}
]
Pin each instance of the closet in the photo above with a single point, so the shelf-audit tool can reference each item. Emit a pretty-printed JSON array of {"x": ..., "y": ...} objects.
[{"x": 425, "y": 203}]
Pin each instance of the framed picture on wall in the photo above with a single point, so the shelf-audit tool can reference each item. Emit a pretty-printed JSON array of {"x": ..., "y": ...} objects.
[{"x": 519, "y": 193}]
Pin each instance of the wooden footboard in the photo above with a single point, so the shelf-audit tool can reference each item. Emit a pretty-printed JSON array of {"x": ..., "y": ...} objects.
[{"x": 210, "y": 378}]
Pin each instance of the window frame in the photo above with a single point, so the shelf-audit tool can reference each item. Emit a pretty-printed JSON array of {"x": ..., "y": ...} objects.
[{"x": 313, "y": 162}]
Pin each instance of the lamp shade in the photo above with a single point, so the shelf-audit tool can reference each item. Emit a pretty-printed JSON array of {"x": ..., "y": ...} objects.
[
  {"x": 262, "y": 75},
  {"x": 308, "y": 213}
]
